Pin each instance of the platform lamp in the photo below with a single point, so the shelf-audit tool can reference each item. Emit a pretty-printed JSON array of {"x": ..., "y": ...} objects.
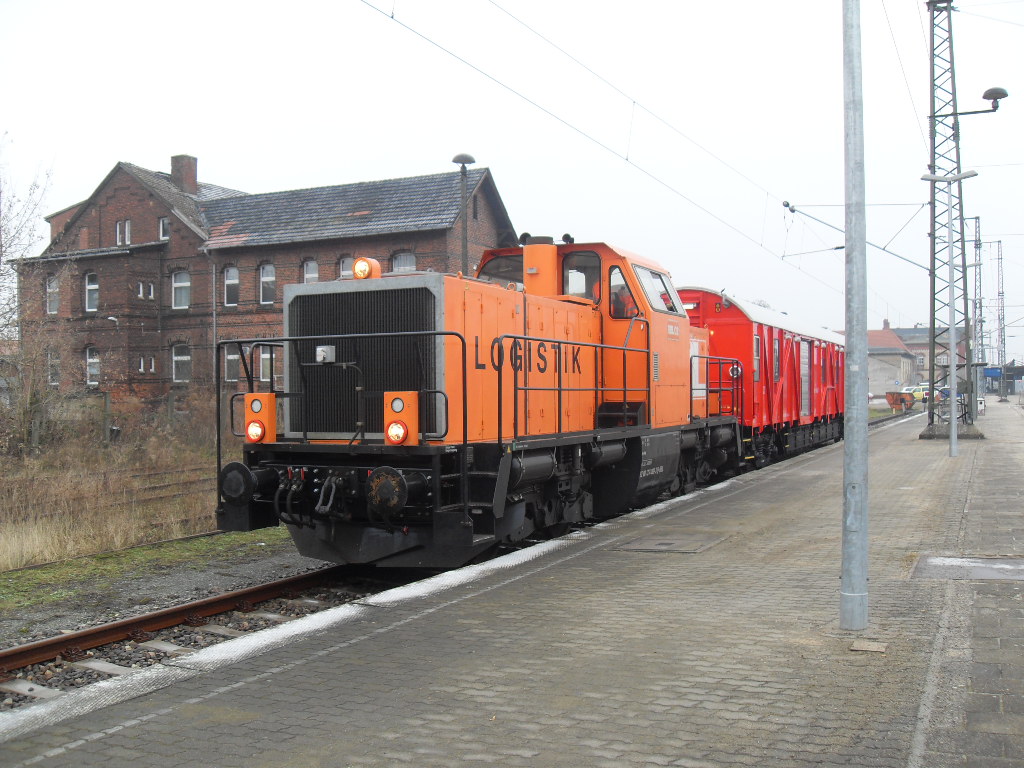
[
  {"x": 463, "y": 160},
  {"x": 950, "y": 233}
]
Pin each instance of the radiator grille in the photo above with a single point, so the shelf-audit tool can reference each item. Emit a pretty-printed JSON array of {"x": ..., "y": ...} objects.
[{"x": 329, "y": 400}]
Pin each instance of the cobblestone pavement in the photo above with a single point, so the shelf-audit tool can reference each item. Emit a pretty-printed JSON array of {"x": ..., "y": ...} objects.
[{"x": 702, "y": 633}]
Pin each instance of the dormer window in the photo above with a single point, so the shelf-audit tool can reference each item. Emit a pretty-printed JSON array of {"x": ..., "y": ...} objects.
[{"x": 165, "y": 228}]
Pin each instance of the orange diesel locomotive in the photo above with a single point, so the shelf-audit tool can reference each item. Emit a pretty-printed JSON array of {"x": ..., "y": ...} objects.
[{"x": 427, "y": 418}]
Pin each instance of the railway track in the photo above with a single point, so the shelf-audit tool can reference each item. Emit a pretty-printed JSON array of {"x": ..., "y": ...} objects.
[{"x": 48, "y": 668}]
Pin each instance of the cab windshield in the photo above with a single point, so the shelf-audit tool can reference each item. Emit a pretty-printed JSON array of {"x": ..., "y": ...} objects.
[
  {"x": 658, "y": 290},
  {"x": 503, "y": 270}
]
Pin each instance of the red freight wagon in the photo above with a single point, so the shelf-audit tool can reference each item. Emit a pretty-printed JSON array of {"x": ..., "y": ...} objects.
[{"x": 792, "y": 374}]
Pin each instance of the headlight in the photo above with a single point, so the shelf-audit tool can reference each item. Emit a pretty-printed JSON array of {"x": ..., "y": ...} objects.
[
  {"x": 255, "y": 431},
  {"x": 396, "y": 433}
]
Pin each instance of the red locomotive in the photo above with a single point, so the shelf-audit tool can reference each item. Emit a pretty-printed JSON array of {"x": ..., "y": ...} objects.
[{"x": 427, "y": 418}]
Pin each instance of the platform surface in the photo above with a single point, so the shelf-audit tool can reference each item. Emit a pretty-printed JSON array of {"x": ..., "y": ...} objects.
[{"x": 703, "y": 632}]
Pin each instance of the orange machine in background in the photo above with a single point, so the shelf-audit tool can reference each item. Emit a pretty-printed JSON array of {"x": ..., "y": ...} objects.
[{"x": 425, "y": 418}]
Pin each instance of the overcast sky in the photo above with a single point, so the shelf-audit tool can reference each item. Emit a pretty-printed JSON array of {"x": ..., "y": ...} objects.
[{"x": 674, "y": 129}]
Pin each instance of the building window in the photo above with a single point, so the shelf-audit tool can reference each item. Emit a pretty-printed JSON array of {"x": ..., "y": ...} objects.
[
  {"x": 92, "y": 292},
  {"x": 345, "y": 267},
  {"x": 142, "y": 291},
  {"x": 403, "y": 262},
  {"x": 152, "y": 365},
  {"x": 165, "y": 228},
  {"x": 53, "y": 368},
  {"x": 476, "y": 210},
  {"x": 310, "y": 272},
  {"x": 231, "y": 286},
  {"x": 942, "y": 360},
  {"x": 266, "y": 364},
  {"x": 151, "y": 292},
  {"x": 181, "y": 363},
  {"x": 142, "y": 365},
  {"x": 124, "y": 232},
  {"x": 92, "y": 366},
  {"x": 181, "y": 289},
  {"x": 920, "y": 361},
  {"x": 231, "y": 364},
  {"x": 268, "y": 284},
  {"x": 52, "y": 295}
]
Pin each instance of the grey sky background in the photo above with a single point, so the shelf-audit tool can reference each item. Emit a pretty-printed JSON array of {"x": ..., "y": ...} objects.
[{"x": 671, "y": 129}]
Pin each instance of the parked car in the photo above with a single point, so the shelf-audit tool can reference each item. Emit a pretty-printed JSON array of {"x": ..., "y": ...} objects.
[{"x": 920, "y": 391}]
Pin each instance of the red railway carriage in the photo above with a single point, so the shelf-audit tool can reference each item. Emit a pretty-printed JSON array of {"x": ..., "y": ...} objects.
[{"x": 793, "y": 375}]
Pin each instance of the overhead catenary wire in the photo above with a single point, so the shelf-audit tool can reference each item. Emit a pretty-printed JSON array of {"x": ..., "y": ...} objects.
[
  {"x": 622, "y": 156},
  {"x": 593, "y": 139}
]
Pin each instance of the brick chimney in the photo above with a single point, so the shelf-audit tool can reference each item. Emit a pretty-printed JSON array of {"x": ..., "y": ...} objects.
[
  {"x": 885, "y": 324},
  {"x": 183, "y": 174}
]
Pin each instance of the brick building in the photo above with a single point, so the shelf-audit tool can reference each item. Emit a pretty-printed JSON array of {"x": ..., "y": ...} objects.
[
  {"x": 141, "y": 278},
  {"x": 891, "y": 364}
]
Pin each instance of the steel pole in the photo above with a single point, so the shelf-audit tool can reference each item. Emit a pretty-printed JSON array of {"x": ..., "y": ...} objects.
[
  {"x": 853, "y": 604},
  {"x": 953, "y": 399},
  {"x": 465, "y": 224}
]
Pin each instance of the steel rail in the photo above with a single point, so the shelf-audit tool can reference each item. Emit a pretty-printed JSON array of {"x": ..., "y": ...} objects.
[{"x": 74, "y": 644}]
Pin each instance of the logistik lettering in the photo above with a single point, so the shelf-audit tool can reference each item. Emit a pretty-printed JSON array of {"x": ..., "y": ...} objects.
[{"x": 534, "y": 356}]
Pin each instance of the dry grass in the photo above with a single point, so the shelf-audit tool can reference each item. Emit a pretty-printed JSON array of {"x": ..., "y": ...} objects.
[{"x": 80, "y": 497}]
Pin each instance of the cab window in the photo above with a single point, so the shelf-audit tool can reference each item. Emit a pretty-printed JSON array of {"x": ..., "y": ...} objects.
[
  {"x": 503, "y": 270},
  {"x": 581, "y": 276},
  {"x": 658, "y": 289},
  {"x": 623, "y": 305}
]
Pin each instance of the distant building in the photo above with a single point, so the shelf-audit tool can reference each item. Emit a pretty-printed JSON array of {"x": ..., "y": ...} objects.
[
  {"x": 917, "y": 340},
  {"x": 141, "y": 278},
  {"x": 891, "y": 364}
]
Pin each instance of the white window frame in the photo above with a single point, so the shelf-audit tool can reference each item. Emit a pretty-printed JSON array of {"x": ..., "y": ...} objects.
[
  {"x": 142, "y": 364},
  {"x": 120, "y": 233},
  {"x": 152, "y": 365},
  {"x": 345, "y": 267},
  {"x": 310, "y": 271},
  {"x": 92, "y": 367},
  {"x": 52, "y": 368},
  {"x": 127, "y": 231},
  {"x": 164, "y": 228},
  {"x": 52, "y": 294},
  {"x": 231, "y": 282},
  {"x": 179, "y": 358},
  {"x": 268, "y": 284},
  {"x": 400, "y": 259},
  {"x": 92, "y": 292},
  {"x": 266, "y": 363},
  {"x": 152, "y": 292},
  {"x": 232, "y": 363},
  {"x": 181, "y": 289}
]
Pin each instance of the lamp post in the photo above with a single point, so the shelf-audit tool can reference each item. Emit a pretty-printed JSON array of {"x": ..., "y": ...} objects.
[
  {"x": 463, "y": 160},
  {"x": 950, "y": 233}
]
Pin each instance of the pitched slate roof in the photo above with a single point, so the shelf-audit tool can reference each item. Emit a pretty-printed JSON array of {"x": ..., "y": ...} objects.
[
  {"x": 184, "y": 205},
  {"x": 886, "y": 341},
  {"x": 414, "y": 204}
]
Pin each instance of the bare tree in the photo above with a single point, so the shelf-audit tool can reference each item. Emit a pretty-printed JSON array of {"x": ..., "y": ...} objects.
[{"x": 25, "y": 362}]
